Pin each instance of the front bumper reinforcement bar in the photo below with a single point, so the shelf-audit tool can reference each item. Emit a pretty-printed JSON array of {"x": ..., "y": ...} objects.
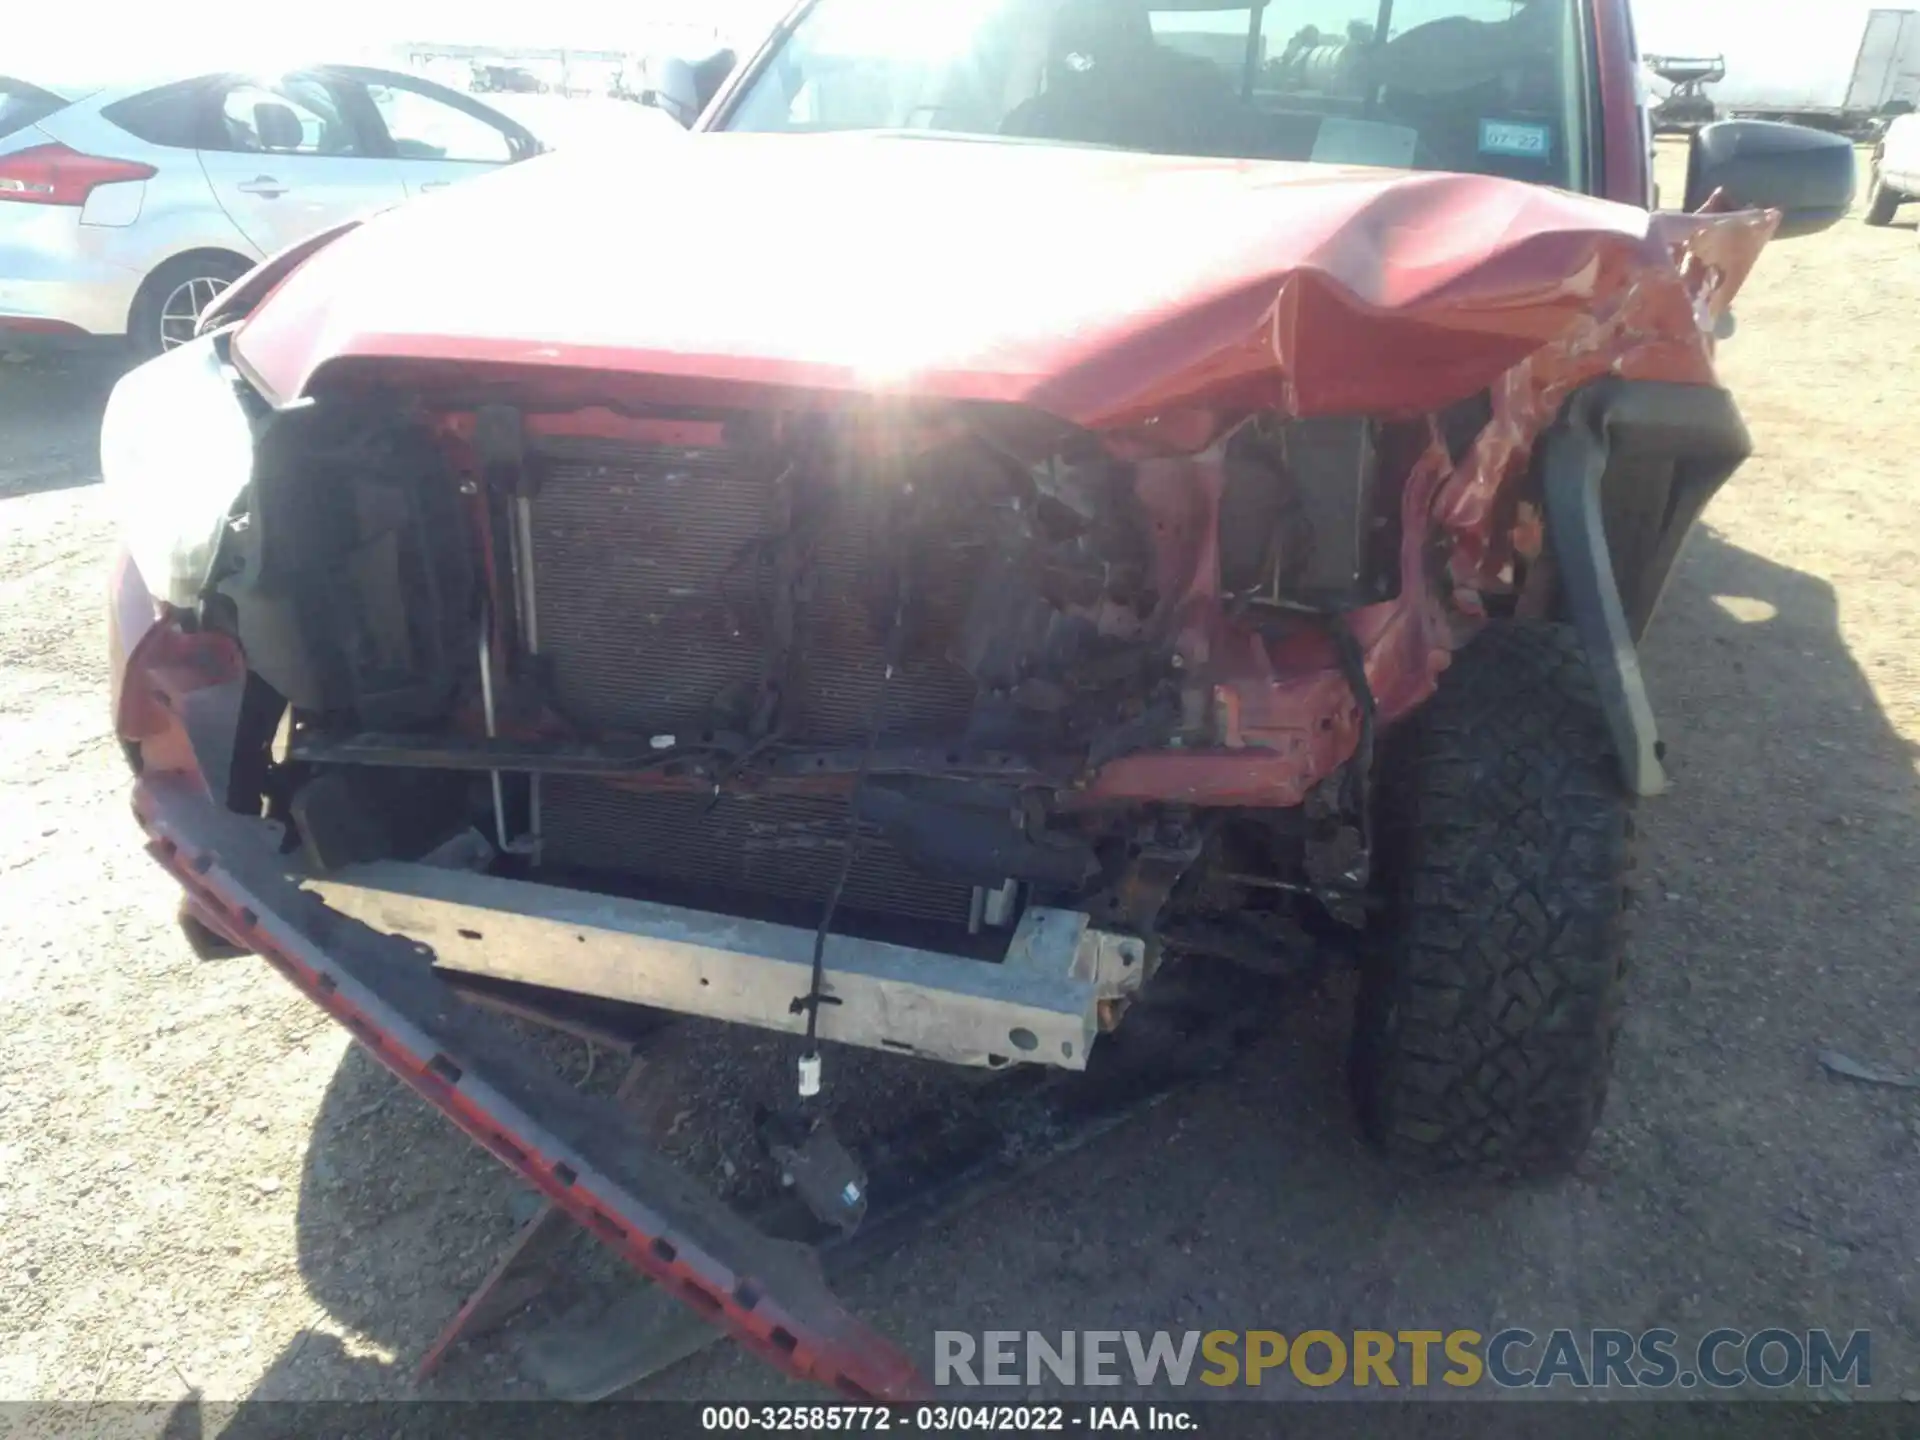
[
  {"x": 1041, "y": 1003},
  {"x": 584, "y": 1153}
]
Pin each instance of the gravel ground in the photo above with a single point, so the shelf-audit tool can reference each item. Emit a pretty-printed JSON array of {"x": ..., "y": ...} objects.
[{"x": 204, "y": 1188}]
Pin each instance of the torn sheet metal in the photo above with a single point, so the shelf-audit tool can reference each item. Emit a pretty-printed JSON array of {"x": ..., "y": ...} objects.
[{"x": 1652, "y": 312}]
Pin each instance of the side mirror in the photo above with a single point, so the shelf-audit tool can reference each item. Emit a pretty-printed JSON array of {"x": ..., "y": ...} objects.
[
  {"x": 670, "y": 87},
  {"x": 1807, "y": 175},
  {"x": 711, "y": 73},
  {"x": 682, "y": 87}
]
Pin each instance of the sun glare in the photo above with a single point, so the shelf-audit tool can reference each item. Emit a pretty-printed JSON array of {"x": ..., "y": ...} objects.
[{"x": 902, "y": 30}]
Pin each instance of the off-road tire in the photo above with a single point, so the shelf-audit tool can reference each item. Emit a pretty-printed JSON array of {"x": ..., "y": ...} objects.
[
  {"x": 1882, "y": 203},
  {"x": 1490, "y": 998}
]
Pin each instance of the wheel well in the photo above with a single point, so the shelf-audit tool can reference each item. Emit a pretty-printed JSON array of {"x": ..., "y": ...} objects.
[{"x": 205, "y": 252}]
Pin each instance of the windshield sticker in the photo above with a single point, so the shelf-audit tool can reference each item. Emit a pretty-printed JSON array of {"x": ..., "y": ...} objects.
[
  {"x": 1511, "y": 137},
  {"x": 1364, "y": 142}
]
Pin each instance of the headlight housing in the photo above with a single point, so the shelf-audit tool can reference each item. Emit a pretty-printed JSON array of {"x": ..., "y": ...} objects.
[{"x": 176, "y": 450}]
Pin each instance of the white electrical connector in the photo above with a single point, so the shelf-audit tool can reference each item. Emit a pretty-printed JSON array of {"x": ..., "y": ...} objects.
[{"x": 809, "y": 1076}]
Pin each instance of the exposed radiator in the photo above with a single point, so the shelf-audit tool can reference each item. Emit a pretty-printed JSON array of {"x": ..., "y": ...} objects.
[{"x": 643, "y": 628}]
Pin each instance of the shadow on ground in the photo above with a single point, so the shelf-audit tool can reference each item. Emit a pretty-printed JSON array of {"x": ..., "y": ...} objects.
[
  {"x": 1733, "y": 1182},
  {"x": 50, "y": 409}
]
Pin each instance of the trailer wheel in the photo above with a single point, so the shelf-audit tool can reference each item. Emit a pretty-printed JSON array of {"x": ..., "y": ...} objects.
[
  {"x": 1483, "y": 1038},
  {"x": 1882, "y": 202}
]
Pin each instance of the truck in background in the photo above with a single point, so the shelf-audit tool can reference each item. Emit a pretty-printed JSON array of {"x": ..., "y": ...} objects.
[{"x": 1884, "y": 83}]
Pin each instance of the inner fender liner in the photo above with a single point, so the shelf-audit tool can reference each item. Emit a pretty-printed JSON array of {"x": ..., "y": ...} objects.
[{"x": 1611, "y": 422}]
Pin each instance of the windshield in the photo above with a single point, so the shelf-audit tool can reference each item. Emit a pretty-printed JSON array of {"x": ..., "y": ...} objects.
[{"x": 1488, "y": 86}]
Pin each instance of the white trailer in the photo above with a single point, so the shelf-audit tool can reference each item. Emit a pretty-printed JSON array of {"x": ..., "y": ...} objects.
[
  {"x": 1884, "y": 81},
  {"x": 1887, "y": 74}
]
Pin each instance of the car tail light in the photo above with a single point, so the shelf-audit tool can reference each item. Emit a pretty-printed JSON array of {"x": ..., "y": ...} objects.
[{"x": 56, "y": 175}]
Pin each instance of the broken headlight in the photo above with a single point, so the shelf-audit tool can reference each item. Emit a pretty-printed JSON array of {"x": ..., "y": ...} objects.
[{"x": 176, "y": 450}]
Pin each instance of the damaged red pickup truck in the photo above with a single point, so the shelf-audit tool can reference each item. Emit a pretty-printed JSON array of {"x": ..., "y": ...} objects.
[{"x": 1067, "y": 490}]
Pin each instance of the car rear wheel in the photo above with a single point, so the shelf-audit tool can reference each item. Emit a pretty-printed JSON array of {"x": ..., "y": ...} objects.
[
  {"x": 171, "y": 302},
  {"x": 1483, "y": 1039}
]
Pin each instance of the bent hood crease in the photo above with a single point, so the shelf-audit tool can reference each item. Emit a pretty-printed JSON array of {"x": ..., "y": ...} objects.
[{"x": 1102, "y": 287}]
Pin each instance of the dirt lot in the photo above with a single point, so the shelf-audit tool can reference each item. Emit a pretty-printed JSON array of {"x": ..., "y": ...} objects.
[{"x": 202, "y": 1187}]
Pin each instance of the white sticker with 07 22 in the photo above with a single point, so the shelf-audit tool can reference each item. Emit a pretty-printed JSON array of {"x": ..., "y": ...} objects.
[{"x": 1512, "y": 137}]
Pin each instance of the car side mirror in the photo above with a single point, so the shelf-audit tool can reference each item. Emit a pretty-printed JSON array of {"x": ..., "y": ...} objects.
[
  {"x": 711, "y": 73},
  {"x": 684, "y": 88},
  {"x": 1806, "y": 174},
  {"x": 672, "y": 88}
]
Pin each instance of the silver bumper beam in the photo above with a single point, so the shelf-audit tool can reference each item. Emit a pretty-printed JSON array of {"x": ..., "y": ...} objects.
[{"x": 1041, "y": 1004}]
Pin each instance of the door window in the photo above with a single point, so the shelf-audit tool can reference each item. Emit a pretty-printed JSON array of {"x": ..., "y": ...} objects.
[
  {"x": 423, "y": 128},
  {"x": 300, "y": 115}
]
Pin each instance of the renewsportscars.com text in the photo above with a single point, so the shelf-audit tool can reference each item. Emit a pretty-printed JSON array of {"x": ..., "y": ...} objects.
[{"x": 1510, "y": 1359}]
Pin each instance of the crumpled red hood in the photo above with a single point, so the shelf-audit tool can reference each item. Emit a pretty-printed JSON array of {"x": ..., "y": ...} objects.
[{"x": 1103, "y": 287}]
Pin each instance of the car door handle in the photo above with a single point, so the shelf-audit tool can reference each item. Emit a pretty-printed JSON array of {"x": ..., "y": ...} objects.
[
  {"x": 434, "y": 185},
  {"x": 262, "y": 185}
]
